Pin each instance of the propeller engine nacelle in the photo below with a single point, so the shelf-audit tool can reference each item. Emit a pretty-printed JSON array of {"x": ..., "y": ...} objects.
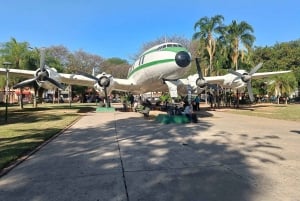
[
  {"x": 201, "y": 83},
  {"x": 44, "y": 76},
  {"x": 104, "y": 80},
  {"x": 246, "y": 77},
  {"x": 40, "y": 78}
]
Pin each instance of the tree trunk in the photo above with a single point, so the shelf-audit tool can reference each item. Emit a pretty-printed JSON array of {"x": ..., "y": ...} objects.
[
  {"x": 238, "y": 99},
  {"x": 21, "y": 99},
  {"x": 34, "y": 98}
]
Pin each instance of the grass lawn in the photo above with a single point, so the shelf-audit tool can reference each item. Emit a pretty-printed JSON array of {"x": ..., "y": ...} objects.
[
  {"x": 28, "y": 128},
  {"x": 290, "y": 112}
]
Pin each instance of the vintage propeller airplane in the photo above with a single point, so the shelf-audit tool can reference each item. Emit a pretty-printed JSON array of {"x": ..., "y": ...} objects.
[
  {"x": 166, "y": 61},
  {"x": 159, "y": 68},
  {"x": 233, "y": 80}
]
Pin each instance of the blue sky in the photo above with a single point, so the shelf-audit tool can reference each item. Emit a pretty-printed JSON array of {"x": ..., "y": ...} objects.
[{"x": 117, "y": 28}]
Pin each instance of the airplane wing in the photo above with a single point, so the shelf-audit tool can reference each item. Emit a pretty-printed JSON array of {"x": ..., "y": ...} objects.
[
  {"x": 191, "y": 80},
  {"x": 75, "y": 79},
  {"x": 65, "y": 78},
  {"x": 18, "y": 72},
  {"x": 214, "y": 79},
  {"x": 93, "y": 81},
  {"x": 267, "y": 74}
]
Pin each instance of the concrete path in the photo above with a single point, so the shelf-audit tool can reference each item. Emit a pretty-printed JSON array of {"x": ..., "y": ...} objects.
[{"x": 124, "y": 157}]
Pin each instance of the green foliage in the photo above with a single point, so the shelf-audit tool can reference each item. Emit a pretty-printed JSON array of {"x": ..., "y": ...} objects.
[
  {"x": 116, "y": 61},
  {"x": 232, "y": 47},
  {"x": 281, "y": 56},
  {"x": 116, "y": 67},
  {"x": 283, "y": 85},
  {"x": 165, "y": 97},
  {"x": 208, "y": 27}
]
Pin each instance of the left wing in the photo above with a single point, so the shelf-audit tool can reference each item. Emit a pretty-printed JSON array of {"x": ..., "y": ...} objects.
[
  {"x": 74, "y": 79},
  {"x": 18, "y": 72}
]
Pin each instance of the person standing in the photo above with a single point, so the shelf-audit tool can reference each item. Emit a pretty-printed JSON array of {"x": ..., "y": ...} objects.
[
  {"x": 197, "y": 102},
  {"x": 131, "y": 99}
]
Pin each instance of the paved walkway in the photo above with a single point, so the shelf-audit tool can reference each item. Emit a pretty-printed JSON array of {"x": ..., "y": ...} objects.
[{"x": 124, "y": 157}]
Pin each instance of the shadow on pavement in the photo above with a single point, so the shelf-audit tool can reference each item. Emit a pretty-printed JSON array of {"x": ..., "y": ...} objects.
[{"x": 158, "y": 162}]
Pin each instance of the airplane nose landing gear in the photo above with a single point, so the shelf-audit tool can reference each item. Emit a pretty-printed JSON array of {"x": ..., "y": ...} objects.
[{"x": 182, "y": 59}]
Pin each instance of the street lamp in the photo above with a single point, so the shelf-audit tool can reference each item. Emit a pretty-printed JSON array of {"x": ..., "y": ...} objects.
[{"x": 6, "y": 65}]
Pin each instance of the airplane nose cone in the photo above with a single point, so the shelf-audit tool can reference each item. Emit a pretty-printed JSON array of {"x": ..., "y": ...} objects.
[{"x": 182, "y": 59}]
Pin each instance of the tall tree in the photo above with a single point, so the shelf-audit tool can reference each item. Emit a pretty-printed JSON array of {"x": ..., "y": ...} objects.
[
  {"x": 239, "y": 34},
  {"x": 15, "y": 52},
  {"x": 116, "y": 67},
  {"x": 283, "y": 86},
  {"x": 207, "y": 27},
  {"x": 83, "y": 61},
  {"x": 58, "y": 56}
]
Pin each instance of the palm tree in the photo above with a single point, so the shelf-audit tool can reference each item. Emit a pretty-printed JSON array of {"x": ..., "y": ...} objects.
[
  {"x": 16, "y": 53},
  {"x": 208, "y": 26},
  {"x": 283, "y": 86},
  {"x": 236, "y": 34}
]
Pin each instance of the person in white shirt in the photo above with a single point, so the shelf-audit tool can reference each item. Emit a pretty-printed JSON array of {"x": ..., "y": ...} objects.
[{"x": 188, "y": 110}]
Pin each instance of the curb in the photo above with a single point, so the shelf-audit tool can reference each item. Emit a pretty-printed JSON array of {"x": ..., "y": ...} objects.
[{"x": 26, "y": 156}]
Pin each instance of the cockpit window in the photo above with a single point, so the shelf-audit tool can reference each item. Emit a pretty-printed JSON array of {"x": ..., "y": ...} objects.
[
  {"x": 168, "y": 45},
  {"x": 161, "y": 47}
]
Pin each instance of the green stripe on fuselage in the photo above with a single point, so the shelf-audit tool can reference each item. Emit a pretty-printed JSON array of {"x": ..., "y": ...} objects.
[{"x": 147, "y": 65}]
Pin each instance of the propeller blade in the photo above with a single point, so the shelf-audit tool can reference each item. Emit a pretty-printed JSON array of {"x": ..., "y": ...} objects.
[
  {"x": 235, "y": 73},
  {"x": 249, "y": 87},
  {"x": 199, "y": 69},
  {"x": 256, "y": 68},
  {"x": 42, "y": 59},
  {"x": 54, "y": 82},
  {"x": 24, "y": 83},
  {"x": 88, "y": 75}
]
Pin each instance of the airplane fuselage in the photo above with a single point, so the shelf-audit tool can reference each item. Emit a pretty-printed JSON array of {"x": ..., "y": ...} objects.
[
  {"x": 164, "y": 61},
  {"x": 161, "y": 62}
]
